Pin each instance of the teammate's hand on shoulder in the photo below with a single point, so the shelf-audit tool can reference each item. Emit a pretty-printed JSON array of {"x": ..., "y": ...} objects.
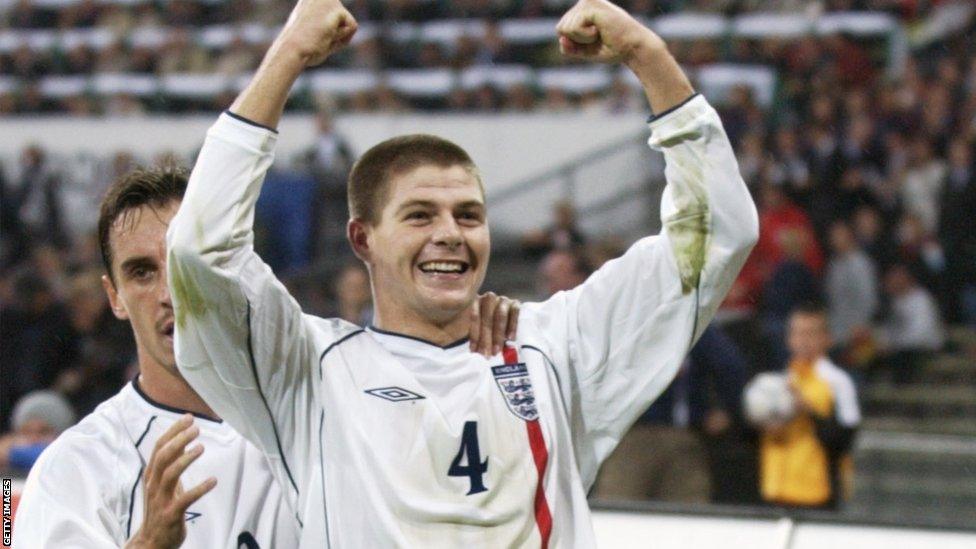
[
  {"x": 164, "y": 523},
  {"x": 494, "y": 319},
  {"x": 317, "y": 28},
  {"x": 599, "y": 30}
]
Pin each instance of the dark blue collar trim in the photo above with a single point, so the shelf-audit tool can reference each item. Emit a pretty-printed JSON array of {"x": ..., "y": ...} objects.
[
  {"x": 444, "y": 347},
  {"x": 654, "y": 117},
  {"x": 161, "y": 406},
  {"x": 251, "y": 122}
]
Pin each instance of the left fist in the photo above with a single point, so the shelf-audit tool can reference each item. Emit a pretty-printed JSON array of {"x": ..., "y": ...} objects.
[{"x": 601, "y": 31}]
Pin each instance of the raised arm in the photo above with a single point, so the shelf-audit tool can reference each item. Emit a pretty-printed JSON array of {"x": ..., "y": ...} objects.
[
  {"x": 620, "y": 337},
  {"x": 315, "y": 30},
  {"x": 241, "y": 341}
]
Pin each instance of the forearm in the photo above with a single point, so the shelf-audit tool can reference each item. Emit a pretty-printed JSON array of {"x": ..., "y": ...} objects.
[
  {"x": 314, "y": 30},
  {"x": 665, "y": 84},
  {"x": 264, "y": 98}
]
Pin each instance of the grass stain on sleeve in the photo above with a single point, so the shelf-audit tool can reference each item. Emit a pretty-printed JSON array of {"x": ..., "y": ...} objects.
[{"x": 187, "y": 296}]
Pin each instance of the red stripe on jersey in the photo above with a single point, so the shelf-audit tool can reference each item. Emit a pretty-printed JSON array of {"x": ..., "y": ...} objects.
[
  {"x": 542, "y": 516},
  {"x": 540, "y": 455}
]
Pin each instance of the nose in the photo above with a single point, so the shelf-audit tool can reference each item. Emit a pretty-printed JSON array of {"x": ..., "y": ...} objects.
[
  {"x": 447, "y": 233},
  {"x": 163, "y": 290}
]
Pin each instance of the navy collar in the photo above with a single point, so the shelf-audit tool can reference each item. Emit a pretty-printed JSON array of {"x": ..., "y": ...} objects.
[
  {"x": 421, "y": 340},
  {"x": 160, "y": 405}
]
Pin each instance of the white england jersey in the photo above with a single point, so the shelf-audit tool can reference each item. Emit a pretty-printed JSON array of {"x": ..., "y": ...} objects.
[
  {"x": 382, "y": 440},
  {"x": 87, "y": 490}
]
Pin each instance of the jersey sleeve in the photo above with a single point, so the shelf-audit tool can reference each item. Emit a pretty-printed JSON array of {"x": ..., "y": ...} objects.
[
  {"x": 618, "y": 339},
  {"x": 241, "y": 341},
  {"x": 68, "y": 499}
]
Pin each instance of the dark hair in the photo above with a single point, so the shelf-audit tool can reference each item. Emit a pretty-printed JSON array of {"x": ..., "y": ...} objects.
[
  {"x": 810, "y": 308},
  {"x": 154, "y": 187},
  {"x": 370, "y": 176}
]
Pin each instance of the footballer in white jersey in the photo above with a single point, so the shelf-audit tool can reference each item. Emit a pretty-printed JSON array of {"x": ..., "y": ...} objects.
[
  {"x": 382, "y": 437},
  {"x": 87, "y": 487}
]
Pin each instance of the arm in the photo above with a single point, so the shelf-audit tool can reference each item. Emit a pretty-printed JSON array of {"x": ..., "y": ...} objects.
[
  {"x": 241, "y": 339},
  {"x": 620, "y": 337},
  {"x": 836, "y": 430}
]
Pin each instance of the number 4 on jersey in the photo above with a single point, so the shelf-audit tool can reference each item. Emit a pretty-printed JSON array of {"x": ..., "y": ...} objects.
[{"x": 475, "y": 468}]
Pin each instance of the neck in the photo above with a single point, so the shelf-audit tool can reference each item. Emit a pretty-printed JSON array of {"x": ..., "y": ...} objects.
[
  {"x": 169, "y": 388},
  {"x": 351, "y": 310},
  {"x": 411, "y": 324},
  {"x": 803, "y": 363}
]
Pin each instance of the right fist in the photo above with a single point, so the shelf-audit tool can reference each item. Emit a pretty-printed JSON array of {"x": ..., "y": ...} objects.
[{"x": 318, "y": 28}]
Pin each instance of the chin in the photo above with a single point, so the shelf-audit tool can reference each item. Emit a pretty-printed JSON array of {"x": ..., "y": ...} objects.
[{"x": 445, "y": 308}]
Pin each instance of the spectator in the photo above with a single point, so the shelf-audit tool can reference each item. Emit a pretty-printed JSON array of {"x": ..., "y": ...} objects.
[
  {"x": 563, "y": 234},
  {"x": 804, "y": 462},
  {"x": 36, "y": 340},
  {"x": 850, "y": 285},
  {"x": 330, "y": 158},
  {"x": 957, "y": 233},
  {"x": 35, "y": 196},
  {"x": 354, "y": 300},
  {"x": 912, "y": 330},
  {"x": 679, "y": 450},
  {"x": 922, "y": 183},
  {"x": 38, "y": 418},
  {"x": 790, "y": 284},
  {"x": 782, "y": 222},
  {"x": 869, "y": 230},
  {"x": 562, "y": 270}
]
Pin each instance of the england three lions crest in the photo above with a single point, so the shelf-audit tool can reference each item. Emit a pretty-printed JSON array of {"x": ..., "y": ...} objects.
[{"x": 516, "y": 387}]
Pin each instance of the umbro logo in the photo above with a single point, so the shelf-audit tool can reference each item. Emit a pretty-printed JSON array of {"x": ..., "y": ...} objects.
[
  {"x": 393, "y": 394},
  {"x": 190, "y": 516}
]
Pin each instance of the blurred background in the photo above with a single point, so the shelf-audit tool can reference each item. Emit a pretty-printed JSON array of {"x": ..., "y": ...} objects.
[{"x": 854, "y": 124}]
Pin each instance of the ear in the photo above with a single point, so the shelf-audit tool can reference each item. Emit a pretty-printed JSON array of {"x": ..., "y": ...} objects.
[
  {"x": 357, "y": 231},
  {"x": 118, "y": 309}
]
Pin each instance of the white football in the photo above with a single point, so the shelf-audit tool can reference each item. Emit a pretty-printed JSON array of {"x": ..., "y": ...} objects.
[{"x": 767, "y": 400}]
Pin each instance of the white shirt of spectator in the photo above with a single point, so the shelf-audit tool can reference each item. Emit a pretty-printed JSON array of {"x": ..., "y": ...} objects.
[
  {"x": 847, "y": 412},
  {"x": 86, "y": 489},
  {"x": 381, "y": 440}
]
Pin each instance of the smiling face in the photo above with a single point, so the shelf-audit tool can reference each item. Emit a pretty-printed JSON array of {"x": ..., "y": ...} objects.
[
  {"x": 139, "y": 292},
  {"x": 428, "y": 251}
]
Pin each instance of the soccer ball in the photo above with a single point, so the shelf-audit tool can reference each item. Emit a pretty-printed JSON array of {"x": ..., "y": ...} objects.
[{"x": 767, "y": 400}]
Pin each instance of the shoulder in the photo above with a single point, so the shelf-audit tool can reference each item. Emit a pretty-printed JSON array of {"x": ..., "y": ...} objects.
[
  {"x": 834, "y": 374},
  {"x": 843, "y": 389},
  {"x": 91, "y": 446},
  {"x": 83, "y": 467},
  {"x": 330, "y": 331}
]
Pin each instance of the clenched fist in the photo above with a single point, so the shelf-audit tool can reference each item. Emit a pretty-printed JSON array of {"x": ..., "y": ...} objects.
[
  {"x": 601, "y": 31},
  {"x": 316, "y": 29}
]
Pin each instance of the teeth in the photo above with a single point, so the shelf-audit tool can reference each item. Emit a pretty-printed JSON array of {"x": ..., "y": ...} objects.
[{"x": 441, "y": 266}]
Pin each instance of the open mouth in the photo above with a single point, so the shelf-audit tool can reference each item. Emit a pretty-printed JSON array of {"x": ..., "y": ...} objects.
[
  {"x": 168, "y": 329},
  {"x": 444, "y": 267}
]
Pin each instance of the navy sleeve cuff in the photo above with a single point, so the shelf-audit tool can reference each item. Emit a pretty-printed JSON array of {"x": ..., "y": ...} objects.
[
  {"x": 250, "y": 122},
  {"x": 654, "y": 117}
]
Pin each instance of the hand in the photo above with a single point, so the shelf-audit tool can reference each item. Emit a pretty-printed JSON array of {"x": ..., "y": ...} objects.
[
  {"x": 166, "y": 502},
  {"x": 494, "y": 319},
  {"x": 316, "y": 29},
  {"x": 601, "y": 31}
]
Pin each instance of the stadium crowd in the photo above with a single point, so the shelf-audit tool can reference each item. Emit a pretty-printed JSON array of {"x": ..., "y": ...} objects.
[
  {"x": 84, "y": 57},
  {"x": 865, "y": 178}
]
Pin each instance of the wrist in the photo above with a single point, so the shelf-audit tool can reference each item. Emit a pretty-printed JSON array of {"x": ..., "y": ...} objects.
[
  {"x": 287, "y": 56},
  {"x": 647, "y": 52},
  {"x": 137, "y": 541}
]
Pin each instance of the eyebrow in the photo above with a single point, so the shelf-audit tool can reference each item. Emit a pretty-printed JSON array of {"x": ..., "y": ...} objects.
[{"x": 467, "y": 204}]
